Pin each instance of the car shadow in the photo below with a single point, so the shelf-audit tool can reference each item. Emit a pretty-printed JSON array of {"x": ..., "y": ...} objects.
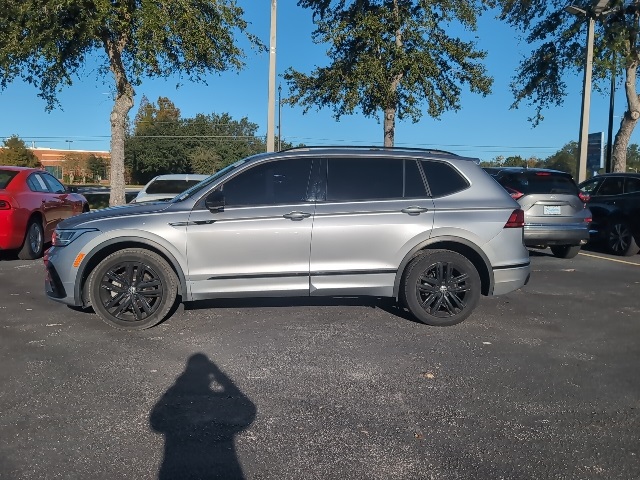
[
  {"x": 199, "y": 416},
  {"x": 388, "y": 305}
]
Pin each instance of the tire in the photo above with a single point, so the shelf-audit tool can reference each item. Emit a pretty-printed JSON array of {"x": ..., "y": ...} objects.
[
  {"x": 565, "y": 251},
  {"x": 33, "y": 245},
  {"x": 441, "y": 288},
  {"x": 620, "y": 240},
  {"x": 127, "y": 301}
]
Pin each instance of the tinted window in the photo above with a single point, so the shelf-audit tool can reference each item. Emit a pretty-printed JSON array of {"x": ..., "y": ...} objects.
[
  {"x": 356, "y": 179},
  {"x": 611, "y": 186},
  {"x": 632, "y": 185},
  {"x": 442, "y": 178},
  {"x": 171, "y": 186},
  {"x": 530, "y": 183},
  {"x": 271, "y": 183},
  {"x": 54, "y": 185},
  {"x": 36, "y": 183},
  {"x": 591, "y": 186},
  {"x": 5, "y": 177},
  {"x": 413, "y": 183}
]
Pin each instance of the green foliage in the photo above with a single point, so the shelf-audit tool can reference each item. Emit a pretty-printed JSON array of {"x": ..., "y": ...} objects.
[
  {"x": 16, "y": 153},
  {"x": 97, "y": 167},
  {"x": 49, "y": 44},
  {"x": 391, "y": 56},
  {"x": 162, "y": 142}
]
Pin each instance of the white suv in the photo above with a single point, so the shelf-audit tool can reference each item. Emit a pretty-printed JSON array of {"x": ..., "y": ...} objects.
[{"x": 428, "y": 228}]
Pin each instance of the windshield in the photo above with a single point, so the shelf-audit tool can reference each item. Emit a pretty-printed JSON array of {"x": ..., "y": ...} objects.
[
  {"x": 170, "y": 186},
  {"x": 208, "y": 181}
]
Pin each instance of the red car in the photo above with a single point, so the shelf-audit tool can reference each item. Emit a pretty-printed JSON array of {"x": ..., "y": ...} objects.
[{"x": 32, "y": 202}]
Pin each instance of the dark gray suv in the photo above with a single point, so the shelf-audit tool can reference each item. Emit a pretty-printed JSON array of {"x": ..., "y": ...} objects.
[
  {"x": 555, "y": 210},
  {"x": 430, "y": 229}
]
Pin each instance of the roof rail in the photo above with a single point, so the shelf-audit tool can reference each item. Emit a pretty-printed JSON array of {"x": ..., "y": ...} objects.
[{"x": 371, "y": 147}]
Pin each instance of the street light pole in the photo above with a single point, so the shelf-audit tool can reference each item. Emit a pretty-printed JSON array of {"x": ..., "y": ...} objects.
[
  {"x": 279, "y": 117},
  {"x": 272, "y": 80},
  {"x": 596, "y": 10}
]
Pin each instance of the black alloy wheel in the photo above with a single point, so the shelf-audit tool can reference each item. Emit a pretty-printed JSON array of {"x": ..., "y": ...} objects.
[
  {"x": 620, "y": 240},
  {"x": 441, "y": 288},
  {"x": 133, "y": 289}
]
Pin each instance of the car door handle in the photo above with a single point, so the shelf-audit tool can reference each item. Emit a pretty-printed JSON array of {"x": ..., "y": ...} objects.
[
  {"x": 414, "y": 210},
  {"x": 296, "y": 215}
]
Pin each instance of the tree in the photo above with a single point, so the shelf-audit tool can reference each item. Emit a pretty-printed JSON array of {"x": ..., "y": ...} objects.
[
  {"x": 559, "y": 50},
  {"x": 565, "y": 159},
  {"x": 389, "y": 57},
  {"x": 49, "y": 43},
  {"x": 16, "y": 153},
  {"x": 97, "y": 167}
]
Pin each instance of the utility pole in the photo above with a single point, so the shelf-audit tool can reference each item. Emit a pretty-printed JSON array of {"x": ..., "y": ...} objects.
[{"x": 272, "y": 80}]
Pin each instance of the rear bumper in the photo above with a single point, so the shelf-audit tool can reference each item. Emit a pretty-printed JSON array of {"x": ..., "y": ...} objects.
[
  {"x": 551, "y": 234},
  {"x": 508, "y": 279}
]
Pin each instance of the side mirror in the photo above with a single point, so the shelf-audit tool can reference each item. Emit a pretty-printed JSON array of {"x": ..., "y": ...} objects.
[{"x": 215, "y": 201}]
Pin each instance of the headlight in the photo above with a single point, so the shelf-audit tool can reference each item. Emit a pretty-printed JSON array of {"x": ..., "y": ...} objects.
[{"x": 62, "y": 238}]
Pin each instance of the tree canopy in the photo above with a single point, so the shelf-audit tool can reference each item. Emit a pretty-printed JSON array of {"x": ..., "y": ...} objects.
[
  {"x": 390, "y": 57},
  {"x": 48, "y": 44},
  {"x": 558, "y": 49},
  {"x": 16, "y": 153}
]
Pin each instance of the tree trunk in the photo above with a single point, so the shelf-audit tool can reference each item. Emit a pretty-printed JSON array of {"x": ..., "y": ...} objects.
[
  {"x": 389, "y": 126},
  {"x": 628, "y": 123},
  {"x": 122, "y": 104}
]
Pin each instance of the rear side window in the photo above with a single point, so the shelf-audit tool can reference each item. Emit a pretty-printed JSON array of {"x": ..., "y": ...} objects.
[
  {"x": 359, "y": 179},
  {"x": 442, "y": 178},
  {"x": 530, "y": 183},
  {"x": 632, "y": 185},
  {"x": 6, "y": 177}
]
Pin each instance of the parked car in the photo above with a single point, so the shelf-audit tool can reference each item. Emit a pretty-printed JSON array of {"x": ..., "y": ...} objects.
[
  {"x": 615, "y": 206},
  {"x": 427, "y": 228},
  {"x": 555, "y": 212},
  {"x": 32, "y": 203},
  {"x": 165, "y": 187}
]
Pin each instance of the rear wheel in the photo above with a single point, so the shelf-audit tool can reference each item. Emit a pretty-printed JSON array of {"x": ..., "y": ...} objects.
[
  {"x": 620, "y": 240},
  {"x": 33, "y": 245},
  {"x": 565, "y": 251},
  {"x": 133, "y": 289},
  {"x": 441, "y": 288}
]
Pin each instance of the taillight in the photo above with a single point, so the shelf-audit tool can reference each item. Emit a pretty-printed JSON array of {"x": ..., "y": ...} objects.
[
  {"x": 585, "y": 197},
  {"x": 4, "y": 205},
  {"x": 588, "y": 220},
  {"x": 516, "y": 219},
  {"x": 515, "y": 194}
]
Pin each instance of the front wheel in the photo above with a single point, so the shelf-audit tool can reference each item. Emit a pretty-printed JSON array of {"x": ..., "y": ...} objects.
[
  {"x": 133, "y": 289},
  {"x": 565, "y": 251},
  {"x": 33, "y": 245},
  {"x": 620, "y": 240},
  {"x": 441, "y": 288}
]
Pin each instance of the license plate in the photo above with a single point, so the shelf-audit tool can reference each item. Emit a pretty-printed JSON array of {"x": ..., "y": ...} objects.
[{"x": 551, "y": 209}]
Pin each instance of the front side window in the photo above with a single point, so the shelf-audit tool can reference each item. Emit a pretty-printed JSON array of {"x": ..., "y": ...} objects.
[
  {"x": 271, "y": 183},
  {"x": 54, "y": 185},
  {"x": 612, "y": 186}
]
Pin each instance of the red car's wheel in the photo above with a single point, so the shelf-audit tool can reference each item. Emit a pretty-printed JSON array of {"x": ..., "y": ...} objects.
[{"x": 33, "y": 245}]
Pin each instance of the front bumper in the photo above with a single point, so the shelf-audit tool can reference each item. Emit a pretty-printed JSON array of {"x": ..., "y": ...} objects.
[
  {"x": 536, "y": 234},
  {"x": 58, "y": 284}
]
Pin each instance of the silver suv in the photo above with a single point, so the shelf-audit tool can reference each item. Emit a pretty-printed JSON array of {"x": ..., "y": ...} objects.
[{"x": 428, "y": 228}]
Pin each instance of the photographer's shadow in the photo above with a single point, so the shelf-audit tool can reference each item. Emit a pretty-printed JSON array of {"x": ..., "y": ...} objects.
[{"x": 199, "y": 416}]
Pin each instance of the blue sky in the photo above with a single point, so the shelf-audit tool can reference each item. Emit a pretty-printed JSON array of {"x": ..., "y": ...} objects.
[{"x": 485, "y": 127}]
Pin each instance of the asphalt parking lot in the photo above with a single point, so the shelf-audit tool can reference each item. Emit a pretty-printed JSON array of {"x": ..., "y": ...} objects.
[{"x": 542, "y": 383}]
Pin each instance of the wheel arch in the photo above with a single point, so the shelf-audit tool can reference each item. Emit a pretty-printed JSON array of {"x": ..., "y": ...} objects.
[
  {"x": 95, "y": 256},
  {"x": 456, "y": 244}
]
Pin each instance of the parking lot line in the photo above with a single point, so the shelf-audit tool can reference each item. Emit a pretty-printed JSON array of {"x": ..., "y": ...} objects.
[{"x": 610, "y": 259}]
